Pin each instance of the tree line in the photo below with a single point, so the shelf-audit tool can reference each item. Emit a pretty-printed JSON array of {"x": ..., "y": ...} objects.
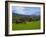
[{"x": 19, "y": 19}]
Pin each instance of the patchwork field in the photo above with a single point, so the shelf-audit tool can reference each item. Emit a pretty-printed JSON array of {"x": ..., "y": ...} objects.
[{"x": 27, "y": 26}]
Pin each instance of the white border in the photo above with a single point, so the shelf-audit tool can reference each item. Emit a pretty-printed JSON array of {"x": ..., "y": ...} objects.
[{"x": 24, "y": 31}]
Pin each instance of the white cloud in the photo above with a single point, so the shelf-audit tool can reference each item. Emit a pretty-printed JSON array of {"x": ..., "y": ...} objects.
[{"x": 25, "y": 10}]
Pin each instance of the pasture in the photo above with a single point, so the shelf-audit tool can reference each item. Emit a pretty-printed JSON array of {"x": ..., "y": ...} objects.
[{"x": 26, "y": 26}]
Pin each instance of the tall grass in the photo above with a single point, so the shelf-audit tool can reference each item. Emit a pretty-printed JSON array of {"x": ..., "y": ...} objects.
[{"x": 27, "y": 26}]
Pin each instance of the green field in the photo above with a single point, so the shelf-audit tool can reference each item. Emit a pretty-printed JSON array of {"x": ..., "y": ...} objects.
[{"x": 27, "y": 26}]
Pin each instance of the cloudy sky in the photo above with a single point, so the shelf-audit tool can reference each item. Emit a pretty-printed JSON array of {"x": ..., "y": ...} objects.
[{"x": 26, "y": 10}]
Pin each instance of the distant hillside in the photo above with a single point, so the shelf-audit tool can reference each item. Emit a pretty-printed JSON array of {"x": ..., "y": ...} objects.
[
  {"x": 25, "y": 17},
  {"x": 15, "y": 14}
]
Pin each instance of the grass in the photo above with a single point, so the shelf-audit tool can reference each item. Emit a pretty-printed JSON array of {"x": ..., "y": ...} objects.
[{"x": 27, "y": 26}]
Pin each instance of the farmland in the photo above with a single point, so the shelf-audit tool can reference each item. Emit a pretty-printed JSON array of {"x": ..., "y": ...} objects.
[
  {"x": 27, "y": 26},
  {"x": 25, "y": 18}
]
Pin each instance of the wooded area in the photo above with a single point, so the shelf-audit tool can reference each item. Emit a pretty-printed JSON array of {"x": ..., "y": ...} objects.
[{"x": 21, "y": 19}]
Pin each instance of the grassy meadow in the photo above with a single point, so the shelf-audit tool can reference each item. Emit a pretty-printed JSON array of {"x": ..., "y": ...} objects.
[
  {"x": 25, "y": 18},
  {"x": 27, "y": 26}
]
